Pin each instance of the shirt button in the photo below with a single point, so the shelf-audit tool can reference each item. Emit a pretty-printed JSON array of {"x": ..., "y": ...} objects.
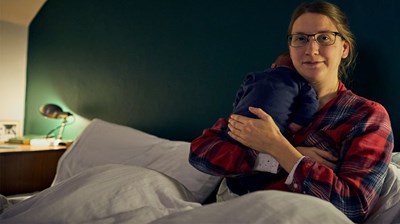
[{"x": 295, "y": 186}]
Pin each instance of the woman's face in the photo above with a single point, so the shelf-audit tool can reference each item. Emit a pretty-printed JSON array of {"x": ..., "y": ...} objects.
[{"x": 317, "y": 64}]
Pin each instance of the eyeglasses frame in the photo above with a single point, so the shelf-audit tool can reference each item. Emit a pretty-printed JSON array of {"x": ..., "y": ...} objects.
[{"x": 314, "y": 39}]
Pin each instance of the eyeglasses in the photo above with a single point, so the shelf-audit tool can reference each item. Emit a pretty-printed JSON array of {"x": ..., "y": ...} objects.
[{"x": 322, "y": 39}]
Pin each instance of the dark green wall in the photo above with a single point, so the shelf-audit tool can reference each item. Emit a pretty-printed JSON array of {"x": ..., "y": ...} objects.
[{"x": 172, "y": 68}]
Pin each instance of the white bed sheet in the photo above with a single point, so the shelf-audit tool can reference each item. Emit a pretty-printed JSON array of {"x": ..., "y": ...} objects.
[
  {"x": 105, "y": 194},
  {"x": 262, "y": 207},
  {"x": 104, "y": 143}
]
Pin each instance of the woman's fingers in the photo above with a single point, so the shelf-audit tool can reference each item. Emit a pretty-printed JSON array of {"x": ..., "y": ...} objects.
[
  {"x": 256, "y": 111},
  {"x": 234, "y": 123},
  {"x": 319, "y": 155},
  {"x": 234, "y": 127},
  {"x": 240, "y": 127},
  {"x": 329, "y": 164},
  {"x": 235, "y": 133},
  {"x": 259, "y": 113},
  {"x": 326, "y": 155}
]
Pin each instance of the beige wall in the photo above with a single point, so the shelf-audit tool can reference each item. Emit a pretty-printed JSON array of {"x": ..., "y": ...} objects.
[
  {"x": 13, "y": 60},
  {"x": 15, "y": 18}
]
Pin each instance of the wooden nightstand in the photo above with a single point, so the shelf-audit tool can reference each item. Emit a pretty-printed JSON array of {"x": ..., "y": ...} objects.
[{"x": 26, "y": 169}]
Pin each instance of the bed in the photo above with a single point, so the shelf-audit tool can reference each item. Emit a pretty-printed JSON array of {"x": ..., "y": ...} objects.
[{"x": 117, "y": 174}]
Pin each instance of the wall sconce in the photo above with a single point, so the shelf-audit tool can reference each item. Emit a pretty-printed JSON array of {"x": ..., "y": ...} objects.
[{"x": 55, "y": 111}]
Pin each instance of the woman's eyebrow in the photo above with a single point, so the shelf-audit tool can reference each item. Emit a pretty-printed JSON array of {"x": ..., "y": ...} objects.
[{"x": 321, "y": 31}]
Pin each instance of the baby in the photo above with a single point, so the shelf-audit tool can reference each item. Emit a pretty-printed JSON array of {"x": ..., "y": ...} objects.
[{"x": 282, "y": 93}]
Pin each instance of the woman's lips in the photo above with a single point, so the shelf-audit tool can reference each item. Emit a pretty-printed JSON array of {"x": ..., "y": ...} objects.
[{"x": 312, "y": 63}]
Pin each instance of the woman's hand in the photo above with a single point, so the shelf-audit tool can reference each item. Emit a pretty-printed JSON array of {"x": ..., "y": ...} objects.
[
  {"x": 255, "y": 133},
  {"x": 319, "y": 155},
  {"x": 264, "y": 136}
]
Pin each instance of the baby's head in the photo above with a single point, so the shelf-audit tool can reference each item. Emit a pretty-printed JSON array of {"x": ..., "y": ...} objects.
[{"x": 283, "y": 60}]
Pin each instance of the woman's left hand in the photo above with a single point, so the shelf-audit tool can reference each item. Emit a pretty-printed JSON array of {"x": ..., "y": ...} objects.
[
  {"x": 256, "y": 133},
  {"x": 319, "y": 155}
]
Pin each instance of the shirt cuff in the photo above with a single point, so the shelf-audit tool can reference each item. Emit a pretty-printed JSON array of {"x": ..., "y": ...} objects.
[
  {"x": 289, "y": 179},
  {"x": 266, "y": 163}
]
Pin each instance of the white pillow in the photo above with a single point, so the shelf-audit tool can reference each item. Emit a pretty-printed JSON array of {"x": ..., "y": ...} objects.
[{"x": 106, "y": 143}]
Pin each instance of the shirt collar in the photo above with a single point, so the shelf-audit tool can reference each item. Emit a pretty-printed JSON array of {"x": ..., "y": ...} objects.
[{"x": 341, "y": 88}]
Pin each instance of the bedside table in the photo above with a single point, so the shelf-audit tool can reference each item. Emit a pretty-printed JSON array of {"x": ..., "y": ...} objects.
[{"x": 26, "y": 169}]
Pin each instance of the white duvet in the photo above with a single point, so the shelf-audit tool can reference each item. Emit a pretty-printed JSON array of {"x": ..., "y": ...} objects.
[
  {"x": 105, "y": 194},
  {"x": 130, "y": 194},
  {"x": 127, "y": 191}
]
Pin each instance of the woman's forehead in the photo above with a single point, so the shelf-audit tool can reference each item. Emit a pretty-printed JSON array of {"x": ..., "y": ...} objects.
[{"x": 313, "y": 23}]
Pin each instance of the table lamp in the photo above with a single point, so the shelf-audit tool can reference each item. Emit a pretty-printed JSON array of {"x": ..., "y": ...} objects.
[{"x": 55, "y": 111}]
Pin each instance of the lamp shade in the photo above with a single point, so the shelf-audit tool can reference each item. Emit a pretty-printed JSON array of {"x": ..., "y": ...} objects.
[{"x": 53, "y": 111}]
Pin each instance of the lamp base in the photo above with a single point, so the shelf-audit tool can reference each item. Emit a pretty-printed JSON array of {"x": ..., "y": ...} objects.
[
  {"x": 65, "y": 142},
  {"x": 56, "y": 142}
]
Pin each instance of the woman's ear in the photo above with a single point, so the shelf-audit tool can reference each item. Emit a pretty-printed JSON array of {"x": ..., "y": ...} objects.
[{"x": 346, "y": 49}]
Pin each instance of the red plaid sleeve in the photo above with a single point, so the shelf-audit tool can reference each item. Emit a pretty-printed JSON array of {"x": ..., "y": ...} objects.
[{"x": 214, "y": 155}]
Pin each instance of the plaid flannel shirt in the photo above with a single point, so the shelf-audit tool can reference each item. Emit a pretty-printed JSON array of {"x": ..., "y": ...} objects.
[{"x": 353, "y": 128}]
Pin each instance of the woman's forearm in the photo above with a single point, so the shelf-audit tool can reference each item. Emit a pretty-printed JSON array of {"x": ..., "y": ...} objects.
[{"x": 287, "y": 156}]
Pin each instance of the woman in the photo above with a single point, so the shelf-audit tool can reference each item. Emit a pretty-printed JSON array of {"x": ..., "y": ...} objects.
[{"x": 342, "y": 157}]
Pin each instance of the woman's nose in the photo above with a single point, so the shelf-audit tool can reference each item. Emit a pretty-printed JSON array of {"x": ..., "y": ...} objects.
[{"x": 312, "y": 47}]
